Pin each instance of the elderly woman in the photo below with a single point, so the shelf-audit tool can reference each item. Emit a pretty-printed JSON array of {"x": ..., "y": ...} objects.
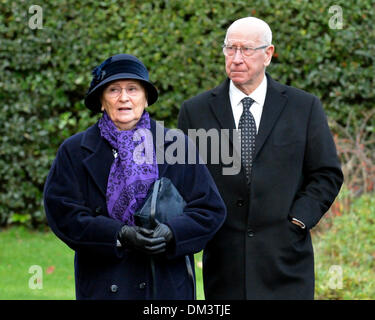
[{"x": 95, "y": 187}]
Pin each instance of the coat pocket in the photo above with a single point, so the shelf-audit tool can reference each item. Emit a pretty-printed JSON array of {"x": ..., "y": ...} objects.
[{"x": 296, "y": 233}]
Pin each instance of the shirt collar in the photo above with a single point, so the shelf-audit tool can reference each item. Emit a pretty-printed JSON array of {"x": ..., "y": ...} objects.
[{"x": 258, "y": 95}]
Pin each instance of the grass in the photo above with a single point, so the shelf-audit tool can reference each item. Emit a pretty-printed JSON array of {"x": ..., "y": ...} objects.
[
  {"x": 344, "y": 259},
  {"x": 20, "y": 249},
  {"x": 345, "y": 254}
]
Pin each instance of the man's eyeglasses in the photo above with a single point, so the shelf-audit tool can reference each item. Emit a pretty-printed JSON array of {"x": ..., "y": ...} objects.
[
  {"x": 115, "y": 91},
  {"x": 230, "y": 51}
]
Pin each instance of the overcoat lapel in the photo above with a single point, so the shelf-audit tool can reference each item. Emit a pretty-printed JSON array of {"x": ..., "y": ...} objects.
[
  {"x": 222, "y": 110},
  {"x": 158, "y": 135},
  {"x": 220, "y": 106},
  {"x": 98, "y": 162},
  {"x": 273, "y": 105}
]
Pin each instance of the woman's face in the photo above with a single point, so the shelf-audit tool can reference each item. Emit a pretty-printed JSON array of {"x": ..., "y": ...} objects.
[{"x": 124, "y": 101}]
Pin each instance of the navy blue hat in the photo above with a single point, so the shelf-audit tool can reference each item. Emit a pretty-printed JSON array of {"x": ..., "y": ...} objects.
[{"x": 120, "y": 66}]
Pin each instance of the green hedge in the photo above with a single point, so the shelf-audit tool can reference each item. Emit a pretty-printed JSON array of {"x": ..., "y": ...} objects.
[{"x": 46, "y": 72}]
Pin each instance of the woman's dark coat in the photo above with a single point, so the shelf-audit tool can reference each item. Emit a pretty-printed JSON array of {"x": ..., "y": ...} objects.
[{"x": 76, "y": 210}]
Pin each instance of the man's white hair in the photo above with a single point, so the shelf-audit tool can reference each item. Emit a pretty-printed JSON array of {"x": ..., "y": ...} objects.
[{"x": 251, "y": 22}]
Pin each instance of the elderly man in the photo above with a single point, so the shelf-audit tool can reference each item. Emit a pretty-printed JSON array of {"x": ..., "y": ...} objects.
[{"x": 290, "y": 174}]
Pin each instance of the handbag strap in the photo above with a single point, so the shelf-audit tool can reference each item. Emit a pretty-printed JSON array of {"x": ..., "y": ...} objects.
[
  {"x": 191, "y": 275},
  {"x": 153, "y": 201},
  {"x": 152, "y": 219}
]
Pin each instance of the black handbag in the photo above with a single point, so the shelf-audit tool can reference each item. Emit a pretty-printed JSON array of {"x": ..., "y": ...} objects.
[{"x": 162, "y": 203}]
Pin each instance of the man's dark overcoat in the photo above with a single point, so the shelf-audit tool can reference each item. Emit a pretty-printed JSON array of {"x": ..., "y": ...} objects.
[{"x": 259, "y": 253}]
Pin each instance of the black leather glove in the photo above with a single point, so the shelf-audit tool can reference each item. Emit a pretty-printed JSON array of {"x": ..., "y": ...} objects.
[
  {"x": 141, "y": 239},
  {"x": 162, "y": 230}
]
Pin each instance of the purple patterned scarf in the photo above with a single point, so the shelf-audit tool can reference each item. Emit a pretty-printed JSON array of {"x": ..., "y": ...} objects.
[{"x": 128, "y": 182}]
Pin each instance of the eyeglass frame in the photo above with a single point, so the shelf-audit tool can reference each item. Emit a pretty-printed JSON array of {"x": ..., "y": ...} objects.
[
  {"x": 123, "y": 88},
  {"x": 224, "y": 46}
]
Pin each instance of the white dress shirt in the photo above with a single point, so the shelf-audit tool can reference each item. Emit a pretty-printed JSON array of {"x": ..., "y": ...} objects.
[{"x": 258, "y": 95}]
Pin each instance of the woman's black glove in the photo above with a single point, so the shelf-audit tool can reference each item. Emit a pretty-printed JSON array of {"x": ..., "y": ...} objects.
[
  {"x": 162, "y": 230},
  {"x": 142, "y": 239}
]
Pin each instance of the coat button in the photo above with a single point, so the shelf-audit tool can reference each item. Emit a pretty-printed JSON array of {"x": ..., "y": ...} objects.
[
  {"x": 114, "y": 288},
  {"x": 240, "y": 203},
  {"x": 98, "y": 210},
  {"x": 142, "y": 285},
  {"x": 250, "y": 233}
]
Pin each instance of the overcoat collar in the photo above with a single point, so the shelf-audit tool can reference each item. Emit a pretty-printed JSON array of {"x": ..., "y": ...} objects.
[
  {"x": 274, "y": 103},
  {"x": 99, "y": 160},
  {"x": 220, "y": 105}
]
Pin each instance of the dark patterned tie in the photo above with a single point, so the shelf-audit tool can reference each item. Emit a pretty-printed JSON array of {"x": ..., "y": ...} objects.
[{"x": 248, "y": 134}]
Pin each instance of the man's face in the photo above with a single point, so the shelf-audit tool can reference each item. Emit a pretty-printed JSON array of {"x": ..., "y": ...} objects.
[{"x": 244, "y": 70}]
